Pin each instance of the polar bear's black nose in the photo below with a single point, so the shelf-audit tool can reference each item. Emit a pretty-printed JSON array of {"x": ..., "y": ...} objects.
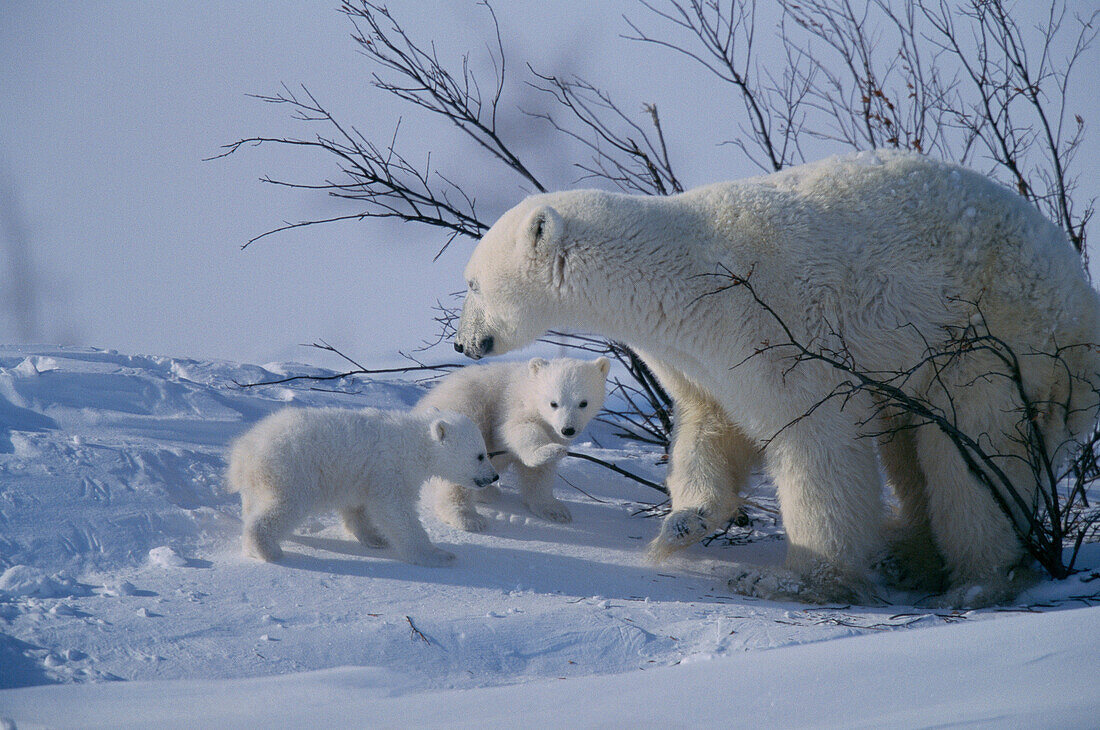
[
  {"x": 568, "y": 431},
  {"x": 458, "y": 347}
]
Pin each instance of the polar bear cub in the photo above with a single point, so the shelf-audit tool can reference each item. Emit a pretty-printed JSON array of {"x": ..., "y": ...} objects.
[
  {"x": 528, "y": 412},
  {"x": 367, "y": 464}
]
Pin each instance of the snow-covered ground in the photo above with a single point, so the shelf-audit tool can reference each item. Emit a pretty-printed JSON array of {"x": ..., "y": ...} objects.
[{"x": 119, "y": 560}]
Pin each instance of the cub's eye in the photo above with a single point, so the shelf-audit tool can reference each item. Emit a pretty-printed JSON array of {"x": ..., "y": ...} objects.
[
  {"x": 553, "y": 404},
  {"x": 481, "y": 457},
  {"x": 583, "y": 404},
  {"x": 473, "y": 286}
]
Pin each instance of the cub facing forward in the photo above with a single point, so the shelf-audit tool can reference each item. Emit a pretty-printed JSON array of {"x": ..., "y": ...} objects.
[
  {"x": 367, "y": 464},
  {"x": 528, "y": 411}
]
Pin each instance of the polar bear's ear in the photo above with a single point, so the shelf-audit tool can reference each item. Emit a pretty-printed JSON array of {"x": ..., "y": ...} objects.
[
  {"x": 542, "y": 228},
  {"x": 439, "y": 429},
  {"x": 604, "y": 365},
  {"x": 535, "y": 364}
]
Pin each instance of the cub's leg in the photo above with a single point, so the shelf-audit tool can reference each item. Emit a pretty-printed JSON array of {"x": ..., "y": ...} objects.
[
  {"x": 394, "y": 513},
  {"x": 537, "y": 487},
  {"x": 266, "y": 525},
  {"x": 529, "y": 444},
  {"x": 359, "y": 526},
  {"x": 454, "y": 505}
]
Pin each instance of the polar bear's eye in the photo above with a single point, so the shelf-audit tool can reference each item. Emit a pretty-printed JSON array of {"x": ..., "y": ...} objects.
[
  {"x": 473, "y": 286},
  {"x": 553, "y": 404},
  {"x": 481, "y": 457},
  {"x": 583, "y": 404}
]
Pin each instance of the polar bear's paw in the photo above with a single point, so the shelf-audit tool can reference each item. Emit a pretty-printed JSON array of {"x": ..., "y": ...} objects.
[
  {"x": 552, "y": 511},
  {"x": 260, "y": 546},
  {"x": 487, "y": 494},
  {"x": 912, "y": 562},
  {"x": 367, "y": 535},
  {"x": 548, "y": 454},
  {"x": 467, "y": 519},
  {"x": 992, "y": 590},
  {"x": 821, "y": 586},
  {"x": 433, "y": 558},
  {"x": 682, "y": 528},
  {"x": 775, "y": 585}
]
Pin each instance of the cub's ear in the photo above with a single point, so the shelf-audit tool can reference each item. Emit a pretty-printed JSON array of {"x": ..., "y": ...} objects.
[
  {"x": 439, "y": 429},
  {"x": 543, "y": 228},
  {"x": 536, "y": 364},
  {"x": 604, "y": 365}
]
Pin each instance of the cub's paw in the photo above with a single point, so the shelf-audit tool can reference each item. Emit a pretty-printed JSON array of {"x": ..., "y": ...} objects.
[
  {"x": 370, "y": 538},
  {"x": 554, "y": 511},
  {"x": 434, "y": 558},
  {"x": 548, "y": 454},
  {"x": 467, "y": 520},
  {"x": 261, "y": 548},
  {"x": 680, "y": 529}
]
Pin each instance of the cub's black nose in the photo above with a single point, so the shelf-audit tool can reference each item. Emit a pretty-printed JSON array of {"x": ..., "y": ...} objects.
[
  {"x": 458, "y": 347},
  {"x": 568, "y": 431}
]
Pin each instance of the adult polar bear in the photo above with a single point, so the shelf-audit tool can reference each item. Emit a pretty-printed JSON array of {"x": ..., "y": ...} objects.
[{"x": 886, "y": 249}]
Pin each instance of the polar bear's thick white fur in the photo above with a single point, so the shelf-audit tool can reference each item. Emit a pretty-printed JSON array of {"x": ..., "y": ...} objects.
[
  {"x": 528, "y": 413},
  {"x": 367, "y": 464},
  {"x": 879, "y": 254}
]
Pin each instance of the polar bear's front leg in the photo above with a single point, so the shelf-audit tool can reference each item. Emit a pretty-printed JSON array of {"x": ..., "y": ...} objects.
[
  {"x": 830, "y": 497},
  {"x": 359, "y": 526},
  {"x": 397, "y": 520},
  {"x": 709, "y": 465},
  {"x": 265, "y": 526},
  {"x": 454, "y": 505},
  {"x": 537, "y": 487},
  {"x": 530, "y": 444}
]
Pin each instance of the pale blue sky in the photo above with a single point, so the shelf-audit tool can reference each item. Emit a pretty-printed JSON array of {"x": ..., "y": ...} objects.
[{"x": 107, "y": 110}]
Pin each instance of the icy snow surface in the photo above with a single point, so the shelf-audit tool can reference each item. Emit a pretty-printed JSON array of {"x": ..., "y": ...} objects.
[{"x": 119, "y": 560}]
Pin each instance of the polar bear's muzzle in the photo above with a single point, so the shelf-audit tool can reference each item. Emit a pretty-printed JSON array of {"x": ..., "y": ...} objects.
[
  {"x": 483, "y": 347},
  {"x": 482, "y": 482}
]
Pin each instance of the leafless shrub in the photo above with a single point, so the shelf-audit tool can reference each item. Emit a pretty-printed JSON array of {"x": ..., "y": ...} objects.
[{"x": 962, "y": 81}]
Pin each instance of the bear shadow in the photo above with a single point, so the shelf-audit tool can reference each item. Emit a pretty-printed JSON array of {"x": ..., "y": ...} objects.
[{"x": 514, "y": 569}]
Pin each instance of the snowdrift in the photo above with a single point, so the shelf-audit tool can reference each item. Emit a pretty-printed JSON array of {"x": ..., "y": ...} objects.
[{"x": 120, "y": 560}]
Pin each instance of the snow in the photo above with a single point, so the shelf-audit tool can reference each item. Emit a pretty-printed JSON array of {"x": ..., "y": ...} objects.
[{"x": 120, "y": 560}]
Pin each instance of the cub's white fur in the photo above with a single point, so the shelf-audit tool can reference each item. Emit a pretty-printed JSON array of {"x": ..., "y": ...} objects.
[
  {"x": 527, "y": 411},
  {"x": 366, "y": 464},
  {"x": 883, "y": 254}
]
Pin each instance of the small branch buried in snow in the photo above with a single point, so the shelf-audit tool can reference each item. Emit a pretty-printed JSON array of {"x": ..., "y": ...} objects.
[{"x": 417, "y": 633}]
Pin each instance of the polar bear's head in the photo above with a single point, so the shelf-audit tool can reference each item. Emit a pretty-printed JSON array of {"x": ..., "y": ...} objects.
[
  {"x": 511, "y": 281},
  {"x": 458, "y": 451},
  {"x": 568, "y": 392}
]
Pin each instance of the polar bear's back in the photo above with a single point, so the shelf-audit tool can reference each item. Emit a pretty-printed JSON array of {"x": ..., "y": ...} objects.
[
  {"x": 884, "y": 201},
  {"x": 897, "y": 230},
  {"x": 299, "y": 446},
  {"x": 481, "y": 392}
]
